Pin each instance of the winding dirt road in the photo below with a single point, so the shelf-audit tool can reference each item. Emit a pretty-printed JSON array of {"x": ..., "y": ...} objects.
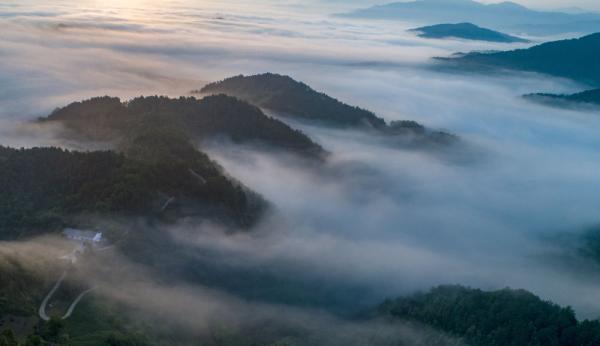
[
  {"x": 75, "y": 302},
  {"x": 42, "y": 311}
]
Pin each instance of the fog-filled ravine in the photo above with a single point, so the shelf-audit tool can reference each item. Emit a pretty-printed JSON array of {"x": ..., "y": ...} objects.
[{"x": 226, "y": 229}]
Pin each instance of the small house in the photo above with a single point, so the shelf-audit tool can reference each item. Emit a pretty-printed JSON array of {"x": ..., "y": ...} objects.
[{"x": 91, "y": 237}]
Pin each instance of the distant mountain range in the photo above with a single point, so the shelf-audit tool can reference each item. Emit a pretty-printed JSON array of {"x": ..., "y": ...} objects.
[
  {"x": 294, "y": 99},
  {"x": 576, "y": 59},
  {"x": 506, "y": 16},
  {"x": 585, "y": 99},
  {"x": 466, "y": 31}
]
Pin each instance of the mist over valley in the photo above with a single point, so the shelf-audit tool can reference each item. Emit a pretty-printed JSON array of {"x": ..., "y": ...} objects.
[{"x": 297, "y": 173}]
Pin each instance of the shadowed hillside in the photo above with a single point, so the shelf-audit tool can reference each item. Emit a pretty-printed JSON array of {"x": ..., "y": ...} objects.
[
  {"x": 294, "y": 99},
  {"x": 289, "y": 97},
  {"x": 107, "y": 118},
  {"x": 505, "y": 317},
  {"x": 585, "y": 99},
  {"x": 159, "y": 174},
  {"x": 576, "y": 59}
]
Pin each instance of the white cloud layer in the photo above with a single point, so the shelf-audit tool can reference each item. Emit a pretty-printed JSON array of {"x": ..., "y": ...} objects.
[{"x": 390, "y": 219}]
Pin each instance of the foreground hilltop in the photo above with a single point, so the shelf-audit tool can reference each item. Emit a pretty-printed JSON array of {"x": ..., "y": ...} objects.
[
  {"x": 466, "y": 31},
  {"x": 504, "y": 317},
  {"x": 109, "y": 119},
  {"x": 153, "y": 171},
  {"x": 576, "y": 59},
  {"x": 294, "y": 99},
  {"x": 158, "y": 174}
]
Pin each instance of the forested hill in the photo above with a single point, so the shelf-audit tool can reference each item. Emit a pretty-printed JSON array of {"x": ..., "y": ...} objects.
[
  {"x": 466, "y": 31},
  {"x": 589, "y": 98},
  {"x": 504, "y": 317},
  {"x": 291, "y": 98},
  {"x": 107, "y": 118},
  {"x": 160, "y": 174},
  {"x": 576, "y": 59}
]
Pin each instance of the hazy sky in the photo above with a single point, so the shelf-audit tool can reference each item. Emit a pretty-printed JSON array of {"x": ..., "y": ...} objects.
[
  {"x": 545, "y": 4},
  {"x": 586, "y": 4}
]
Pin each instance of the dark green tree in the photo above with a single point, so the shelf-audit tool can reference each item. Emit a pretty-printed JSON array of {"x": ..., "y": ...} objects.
[
  {"x": 7, "y": 338},
  {"x": 504, "y": 317}
]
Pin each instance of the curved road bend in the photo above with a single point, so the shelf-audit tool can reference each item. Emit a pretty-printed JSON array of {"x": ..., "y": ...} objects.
[
  {"x": 75, "y": 302},
  {"x": 42, "y": 311}
]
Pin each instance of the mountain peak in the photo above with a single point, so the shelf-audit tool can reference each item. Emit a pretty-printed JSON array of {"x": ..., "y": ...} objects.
[{"x": 466, "y": 31}]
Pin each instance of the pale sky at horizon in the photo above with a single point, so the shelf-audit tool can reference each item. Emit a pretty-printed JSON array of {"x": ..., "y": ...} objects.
[
  {"x": 592, "y": 5},
  {"x": 584, "y": 4},
  {"x": 589, "y": 5}
]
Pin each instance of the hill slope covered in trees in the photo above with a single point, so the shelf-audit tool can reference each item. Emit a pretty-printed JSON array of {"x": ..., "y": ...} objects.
[
  {"x": 159, "y": 172},
  {"x": 576, "y": 59},
  {"x": 294, "y": 99},
  {"x": 504, "y": 317},
  {"x": 589, "y": 98},
  {"x": 107, "y": 118}
]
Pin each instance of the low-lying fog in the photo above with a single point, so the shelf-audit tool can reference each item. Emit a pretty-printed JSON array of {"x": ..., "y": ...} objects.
[{"x": 392, "y": 220}]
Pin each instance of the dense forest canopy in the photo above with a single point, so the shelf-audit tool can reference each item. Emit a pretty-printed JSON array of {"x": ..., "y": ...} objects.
[
  {"x": 40, "y": 186},
  {"x": 504, "y": 317},
  {"x": 107, "y": 118}
]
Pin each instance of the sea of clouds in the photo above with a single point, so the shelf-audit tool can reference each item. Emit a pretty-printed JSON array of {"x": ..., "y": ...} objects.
[{"x": 390, "y": 220}]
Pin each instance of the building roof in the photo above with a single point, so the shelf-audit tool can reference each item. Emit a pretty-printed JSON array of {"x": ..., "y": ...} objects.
[{"x": 77, "y": 234}]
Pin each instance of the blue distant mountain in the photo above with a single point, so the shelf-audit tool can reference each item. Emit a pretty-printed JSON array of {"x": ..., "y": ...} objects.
[
  {"x": 576, "y": 59},
  {"x": 466, "y": 31},
  {"x": 505, "y": 16},
  {"x": 587, "y": 99}
]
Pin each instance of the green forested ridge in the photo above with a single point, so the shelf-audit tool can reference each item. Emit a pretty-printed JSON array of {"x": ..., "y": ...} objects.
[
  {"x": 585, "y": 98},
  {"x": 285, "y": 95},
  {"x": 291, "y": 98},
  {"x": 107, "y": 118},
  {"x": 40, "y": 186},
  {"x": 504, "y": 317},
  {"x": 575, "y": 59}
]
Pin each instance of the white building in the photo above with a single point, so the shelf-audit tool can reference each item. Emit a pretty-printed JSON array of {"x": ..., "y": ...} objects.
[{"x": 91, "y": 237}]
